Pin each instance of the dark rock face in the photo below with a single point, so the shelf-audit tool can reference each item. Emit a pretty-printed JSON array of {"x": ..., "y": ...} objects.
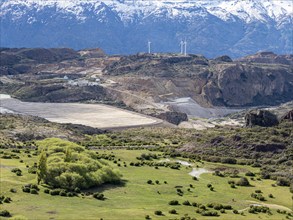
[
  {"x": 269, "y": 147},
  {"x": 261, "y": 118},
  {"x": 172, "y": 117},
  {"x": 288, "y": 116},
  {"x": 224, "y": 58}
]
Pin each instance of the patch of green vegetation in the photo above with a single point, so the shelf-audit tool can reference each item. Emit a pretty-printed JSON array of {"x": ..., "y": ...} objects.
[
  {"x": 66, "y": 165},
  {"x": 137, "y": 199}
]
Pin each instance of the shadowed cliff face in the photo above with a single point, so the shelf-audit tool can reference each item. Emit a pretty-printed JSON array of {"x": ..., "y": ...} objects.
[{"x": 249, "y": 84}]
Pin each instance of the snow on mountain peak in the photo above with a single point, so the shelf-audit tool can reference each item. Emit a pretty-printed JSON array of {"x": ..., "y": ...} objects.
[{"x": 247, "y": 10}]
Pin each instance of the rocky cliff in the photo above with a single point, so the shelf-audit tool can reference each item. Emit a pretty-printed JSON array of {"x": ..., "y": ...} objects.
[{"x": 258, "y": 80}]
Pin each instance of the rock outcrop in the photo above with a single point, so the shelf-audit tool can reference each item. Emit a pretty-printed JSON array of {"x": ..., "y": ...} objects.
[
  {"x": 261, "y": 118},
  {"x": 288, "y": 116},
  {"x": 172, "y": 117}
]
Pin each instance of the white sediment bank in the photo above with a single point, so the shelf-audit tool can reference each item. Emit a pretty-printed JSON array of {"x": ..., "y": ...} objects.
[{"x": 94, "y": 115}]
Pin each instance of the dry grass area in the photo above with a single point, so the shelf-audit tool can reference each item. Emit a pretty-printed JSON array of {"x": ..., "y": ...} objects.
[{"x": 94, "y": 115}]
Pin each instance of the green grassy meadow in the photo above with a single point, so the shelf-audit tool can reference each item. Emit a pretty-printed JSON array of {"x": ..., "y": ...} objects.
[{"x": 135, "y": 198}]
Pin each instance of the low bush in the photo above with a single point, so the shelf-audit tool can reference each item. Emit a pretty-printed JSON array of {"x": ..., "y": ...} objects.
[
  {"x": 209, "y": 213},
  {"x": 99, "y": 196},
  {"x": 186, "y": 203},
  {"x": 243, "y": 182},
  {"x": 158, "y": 212},
  {"x": 173, "y": 211},
  {"x": 33, "y": 191},
  {"x": 173, "y": 202},
  {"x": 5, "y": 213}
]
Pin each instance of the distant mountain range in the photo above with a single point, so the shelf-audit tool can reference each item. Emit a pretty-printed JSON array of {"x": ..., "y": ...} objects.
[{"x": 212, "y": 28}]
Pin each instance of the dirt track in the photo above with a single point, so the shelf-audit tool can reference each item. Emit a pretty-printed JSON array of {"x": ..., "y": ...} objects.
[{"x": 94, "y": 115}]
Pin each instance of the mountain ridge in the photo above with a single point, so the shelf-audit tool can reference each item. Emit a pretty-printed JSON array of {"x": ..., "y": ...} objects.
[{"x": 236, "y": 28}]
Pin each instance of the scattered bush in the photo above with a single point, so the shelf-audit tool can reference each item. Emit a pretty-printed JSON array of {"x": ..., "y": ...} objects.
[
  {"x": 186, "y": 203},
  {"x": 243, "y": 182},
  {"x": 5, "y": 213},
  {"x": 147, "y": 217},
  {"x": 47, "y": 191},
  {"x": 173, "y": 202},
  {"x": 249, "y": 173},
  {"x": 13, "y": 190},
  {"x": 209, "y": 213},
  {"x": 7, "y": 200},
  {"x": 33, "y": 191},
  {"x": 99, "y": 196},
  {"x": 149, "y": 182},
  {"x": 158, "y": 212},
  {"x": 173, "y": 211}
]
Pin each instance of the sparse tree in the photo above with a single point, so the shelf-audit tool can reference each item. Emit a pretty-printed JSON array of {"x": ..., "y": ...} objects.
[{"x": 42, "y": 167}]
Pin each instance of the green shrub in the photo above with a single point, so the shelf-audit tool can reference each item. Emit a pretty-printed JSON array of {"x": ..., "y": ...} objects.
[
  {"x": 173, "y": 202},
  {"x": 209, "y": 213},
  {"x": 249, "y": 173},
  {"x": 218, "y": 206},
  {"x": 26, "y": 189},
  {"x": 158, "y": 212},
  {"x": 47, "y": 191},
  {"x": 99, "y": 196},
  {"x": 243, "y": 182},
  {"x": 186, "y": 203},
  {"x": 173, "y": 211},
  {"x": 227, "y": 207},
  {"x": 33, "y": 191},
  {"x": 7, "y": 200},
  {"x": 14, "y": 170},
  {"x": 147, "y": 217},
  {"x": 13, "y": 190},
  {"x": 5, "y": 213}
]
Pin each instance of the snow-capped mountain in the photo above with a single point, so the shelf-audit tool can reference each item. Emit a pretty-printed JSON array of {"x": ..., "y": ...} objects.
[{"x": 211, "y": 27}]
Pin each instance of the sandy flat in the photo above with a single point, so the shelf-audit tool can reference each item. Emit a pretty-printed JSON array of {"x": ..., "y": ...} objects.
[{"x": 94, "y": 115}]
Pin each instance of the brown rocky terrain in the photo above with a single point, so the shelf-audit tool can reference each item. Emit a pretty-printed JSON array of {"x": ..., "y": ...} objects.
[{"x": 145, "y": 82}]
